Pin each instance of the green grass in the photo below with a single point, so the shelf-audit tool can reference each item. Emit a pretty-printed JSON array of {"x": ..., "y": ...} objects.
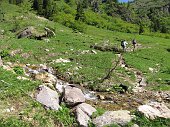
[
  {"x": 68, "y": 44},
  {"x": 92, "y": 68}
]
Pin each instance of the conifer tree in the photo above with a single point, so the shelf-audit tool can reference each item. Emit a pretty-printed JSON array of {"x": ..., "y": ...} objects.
[
  {"x": 49, "y": 8},
  {"x": 80, "y": 12}
]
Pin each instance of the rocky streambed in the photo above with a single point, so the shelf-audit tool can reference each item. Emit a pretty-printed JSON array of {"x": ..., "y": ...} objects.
[{"x": 84, "y": 102}]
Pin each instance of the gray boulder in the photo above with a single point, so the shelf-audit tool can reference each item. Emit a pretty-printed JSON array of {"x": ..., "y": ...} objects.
[
  {"x": 73, "y": 96},
  {"x": 153, "y": 110},
  {"x": 86, "y": 108},
  {"x": 82, "y": 117},
  {"x": 121, "y": 117},
  {"x": 48, "y": 97}
]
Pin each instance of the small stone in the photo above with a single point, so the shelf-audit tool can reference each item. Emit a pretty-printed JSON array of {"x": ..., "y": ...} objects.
[
  {"x": 93, "y": 51},
  {"x": 22, "y": 78},
  {"x": 101, "y": 97},
  {"x": 47, "y": 50},
  {"x": 151, "y": 69}
]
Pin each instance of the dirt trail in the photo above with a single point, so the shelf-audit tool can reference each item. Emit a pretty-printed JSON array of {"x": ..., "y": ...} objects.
[{"x": 140, "y": 81}]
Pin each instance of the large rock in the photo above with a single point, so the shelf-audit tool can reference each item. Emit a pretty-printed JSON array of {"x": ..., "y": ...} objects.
[
  {"x": 31, "y": 32},
  {"x": 73, "y": 96},
  {"x": 153, "y": 110},
  {"x": 83, "y": 113},
  {"x": 82, "y": 117},
  {"x": 121, "y": 117},
  {"x": 86, "y": 108},
  {"x": 1, "y": 63},
  {"x": 27, "y": 32},
  {"x": 48, "y": 97}
]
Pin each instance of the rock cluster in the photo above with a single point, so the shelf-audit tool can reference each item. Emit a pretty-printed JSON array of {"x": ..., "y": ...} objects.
[{"x": 75, "y": 98}]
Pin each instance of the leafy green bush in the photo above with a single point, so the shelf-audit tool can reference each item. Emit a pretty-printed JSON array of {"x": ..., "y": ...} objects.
[
  {"x": 18, "y": 70},
  {"x": 4, "y": 53},
  {"x": 78, "y": 26}
]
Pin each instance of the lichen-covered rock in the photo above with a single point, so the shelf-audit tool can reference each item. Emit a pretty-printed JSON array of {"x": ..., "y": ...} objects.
[
  {"x": 48, "y": 97},
  {"x": 73, "y": 96},
  {"x": 46, "y": 77},
  {"x": 153, "y": 110},
  {"x": 121, "y": 117}
]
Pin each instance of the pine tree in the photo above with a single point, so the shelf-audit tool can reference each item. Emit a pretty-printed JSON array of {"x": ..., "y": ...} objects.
[
  {"x": 40, "y": 7},
  {"x": 49, "y": 8},
  {"x": 80, "y": 12}
]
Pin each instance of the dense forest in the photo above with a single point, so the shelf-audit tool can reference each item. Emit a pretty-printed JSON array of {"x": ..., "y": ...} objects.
[{"x": 148, "y": 15}]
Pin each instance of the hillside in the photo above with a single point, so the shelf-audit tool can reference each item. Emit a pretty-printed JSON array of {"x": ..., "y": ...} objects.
[{"x": 43, "y": 58}]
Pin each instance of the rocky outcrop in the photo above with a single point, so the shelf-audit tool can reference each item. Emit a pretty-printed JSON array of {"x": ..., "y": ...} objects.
[
  {"x": 73, "y": 96},
  {"x": 27, "y": 32},
  {"x": 48, "y": 97},
  {"x": 153, "y": 110},
  {"x": 121, "y": 117},
  {"x": 31, "y": 32}
]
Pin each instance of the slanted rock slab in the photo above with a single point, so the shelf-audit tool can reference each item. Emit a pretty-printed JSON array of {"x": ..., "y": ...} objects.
[
  {"x": 73, "y": 96},
  {"x": 82, "y": 117},
  {"x": 121, "y": 117},
  {"x": 48, "y": 97},
  {"x": 86, "y": 108},
  {"x": 153, "y": 110}
]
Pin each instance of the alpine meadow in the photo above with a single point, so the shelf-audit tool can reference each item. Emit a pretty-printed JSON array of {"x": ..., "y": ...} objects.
[{"x": 84, "y": 63}]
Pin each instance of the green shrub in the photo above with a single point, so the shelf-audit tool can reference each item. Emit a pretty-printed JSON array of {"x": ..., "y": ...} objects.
[
  {"x": 18, "y": 70},
  {"x": 78, "y": 26},
  {"x": 4, "y": 53}
]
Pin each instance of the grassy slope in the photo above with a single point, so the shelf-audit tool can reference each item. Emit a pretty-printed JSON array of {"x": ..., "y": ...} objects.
[{"x": 93, "y": 66}]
